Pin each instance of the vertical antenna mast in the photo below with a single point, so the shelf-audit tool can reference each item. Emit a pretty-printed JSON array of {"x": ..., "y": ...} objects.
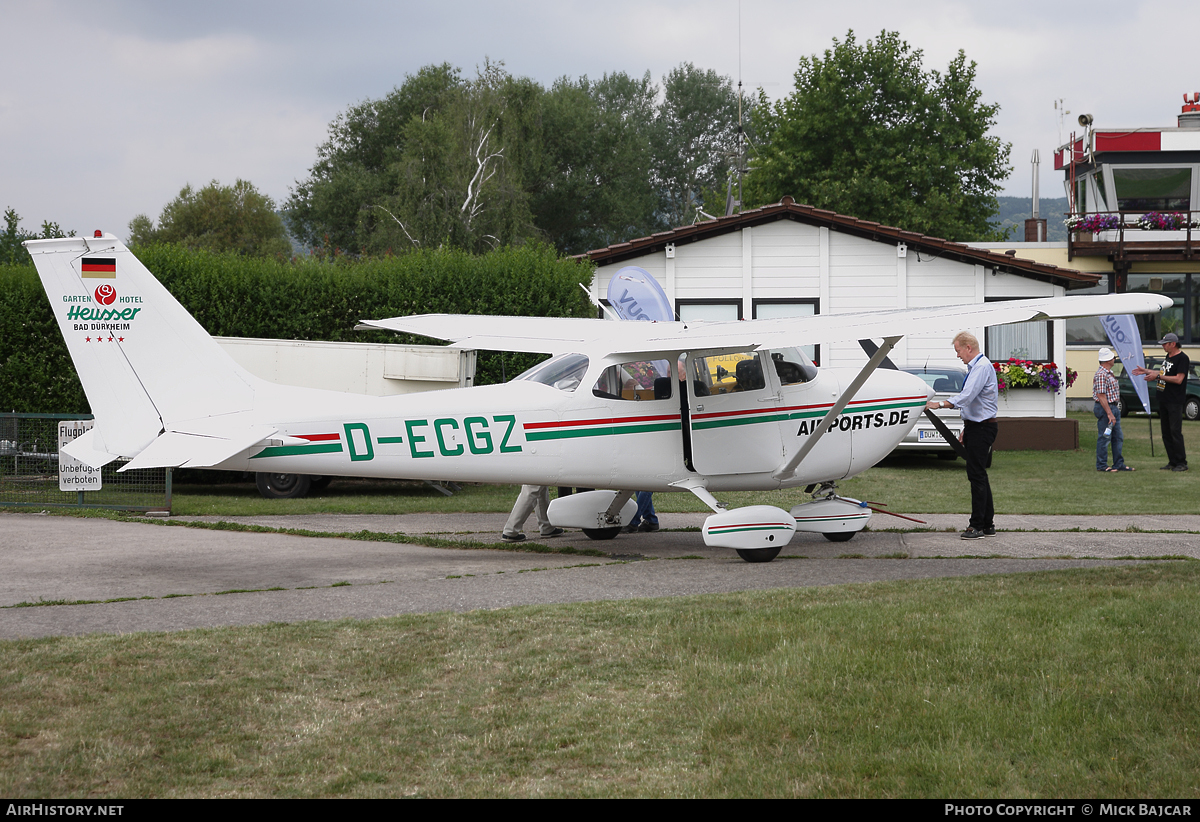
[
  {"x": 739, "y": 156},
  {"x": 741, "y": 134}
]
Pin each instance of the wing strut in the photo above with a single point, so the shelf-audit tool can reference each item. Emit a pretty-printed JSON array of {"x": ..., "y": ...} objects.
[
  {"x": 946, "y": 433},
  {"x": 788, "y": 469}
]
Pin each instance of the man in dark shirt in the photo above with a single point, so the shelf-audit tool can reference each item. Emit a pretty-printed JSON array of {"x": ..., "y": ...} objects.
[{"x": 1172, "y": 394}]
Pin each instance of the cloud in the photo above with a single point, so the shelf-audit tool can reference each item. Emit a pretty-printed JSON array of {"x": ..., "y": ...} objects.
[{"x": 121, "y": 102}]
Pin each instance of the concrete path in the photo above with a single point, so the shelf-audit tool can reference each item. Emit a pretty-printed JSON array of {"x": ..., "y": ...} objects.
[{"x": 186, "y": 572}]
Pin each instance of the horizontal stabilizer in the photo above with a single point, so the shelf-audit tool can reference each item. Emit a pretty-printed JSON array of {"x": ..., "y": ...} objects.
[
  {"x": 83, "y": 448},
  {"x": 178, "y": 449}
]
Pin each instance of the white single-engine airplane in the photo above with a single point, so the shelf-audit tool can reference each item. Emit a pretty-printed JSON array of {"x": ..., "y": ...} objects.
[{"x": 629, "y": 406}]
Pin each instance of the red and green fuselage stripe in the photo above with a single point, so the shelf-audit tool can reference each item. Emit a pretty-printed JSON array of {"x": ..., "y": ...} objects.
[
  {"x": 751, "y": 526},
  {"x": 752, "y": 416},
  {"x": 318, "y": 444},
  {"x": 604, "y": 427}
]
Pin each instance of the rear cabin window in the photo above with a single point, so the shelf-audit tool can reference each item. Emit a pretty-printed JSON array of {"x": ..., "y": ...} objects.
[{"x": 635, "y": 381}]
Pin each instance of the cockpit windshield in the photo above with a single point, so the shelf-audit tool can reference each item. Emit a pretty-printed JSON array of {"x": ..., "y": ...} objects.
[{"x": 563, "y": 372}]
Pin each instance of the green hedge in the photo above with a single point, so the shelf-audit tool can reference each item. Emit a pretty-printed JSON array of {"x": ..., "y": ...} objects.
[
  {"x": 303, "y": 300},
  {"x": 36, "y": 374}
]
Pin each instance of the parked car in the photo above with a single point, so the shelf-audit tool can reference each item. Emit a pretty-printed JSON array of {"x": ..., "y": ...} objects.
[
  {"x": 1130, "y": 401},
  {"x": 946, "y": 381}
]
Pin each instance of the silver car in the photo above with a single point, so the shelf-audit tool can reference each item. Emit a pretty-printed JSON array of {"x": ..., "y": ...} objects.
[{"x": 946, "y": 381}]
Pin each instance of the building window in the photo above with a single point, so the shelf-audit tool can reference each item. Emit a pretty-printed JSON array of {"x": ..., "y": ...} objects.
[
  {"x": 771, "y": 309},
  {"x": 689, "y": 310},
  {"x": 1170, "y": 320},
  {"x": 1088, "y": 330},
  {"x": 1023, "y": 341},
  {"x": 1182, "y": 318},
  {"x": 1152, "y": 189}
]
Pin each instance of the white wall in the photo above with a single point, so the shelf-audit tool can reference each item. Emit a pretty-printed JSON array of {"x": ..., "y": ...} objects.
[{"x": 788, "y": 259}]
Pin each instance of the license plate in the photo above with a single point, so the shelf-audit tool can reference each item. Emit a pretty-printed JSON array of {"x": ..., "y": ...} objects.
[{"x": 929, "y": 436}]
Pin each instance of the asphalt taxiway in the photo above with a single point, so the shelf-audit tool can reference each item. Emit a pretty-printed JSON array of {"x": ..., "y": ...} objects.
[{"x": 151, "y": 576}]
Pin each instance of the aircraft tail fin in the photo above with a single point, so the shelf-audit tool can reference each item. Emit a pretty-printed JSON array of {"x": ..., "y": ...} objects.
[{"x": 145, "y": 363}]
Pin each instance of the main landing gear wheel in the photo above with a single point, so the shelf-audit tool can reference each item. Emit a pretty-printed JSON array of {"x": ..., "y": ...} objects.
[
  {"x": 759, "y": 554},
  {"x": 840, "y": 536},
  {"x": 282, "y": 486},
  {"x": 602, "y": 533}
]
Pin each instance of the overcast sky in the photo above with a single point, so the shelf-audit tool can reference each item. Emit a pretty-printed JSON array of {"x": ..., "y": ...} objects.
[{"x": 109, "y": 107}]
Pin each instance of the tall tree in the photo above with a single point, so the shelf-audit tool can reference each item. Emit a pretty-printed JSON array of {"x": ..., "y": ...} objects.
[
  {"x": 696, "y": 139},
  {"x": 355, "y": 166},
  {"x": 217, "y": 218},
  {"x": 493, "y": 160},
  {"x": 436, "y": 162},
  {"x": 870, "y": 133},
  {"x": 593, "y": 186}
]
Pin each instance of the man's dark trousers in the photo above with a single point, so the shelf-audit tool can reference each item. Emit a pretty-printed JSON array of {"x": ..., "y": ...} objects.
[
  {"x": 1170, "y": 420},
  {"x": 978, "y": 438}
]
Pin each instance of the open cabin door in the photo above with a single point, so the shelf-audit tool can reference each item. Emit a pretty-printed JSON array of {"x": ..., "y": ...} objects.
[{"x": 733, "y": 413}]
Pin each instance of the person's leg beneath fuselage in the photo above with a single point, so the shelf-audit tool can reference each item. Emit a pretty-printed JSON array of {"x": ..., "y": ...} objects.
[
  {"x": 541, "y": 499},
  {"x": 522, "y": 508}
]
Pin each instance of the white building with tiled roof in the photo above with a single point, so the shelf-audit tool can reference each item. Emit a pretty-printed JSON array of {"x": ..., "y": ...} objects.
[{"x": 793, "y": 260}]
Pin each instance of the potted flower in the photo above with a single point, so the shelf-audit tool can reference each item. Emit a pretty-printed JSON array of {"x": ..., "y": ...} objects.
[
  {"x": 1158, "y": 221},
  {"x": 1092, "y": 223},
  {"x": 1017, "y": 373}
]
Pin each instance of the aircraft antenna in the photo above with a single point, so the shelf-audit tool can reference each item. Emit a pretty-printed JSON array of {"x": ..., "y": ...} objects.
[{"x": 738, "y": 153}]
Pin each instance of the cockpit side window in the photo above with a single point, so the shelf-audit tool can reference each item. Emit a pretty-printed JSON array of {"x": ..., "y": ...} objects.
[
  {"x": 792, "y": 367},
  {"x": 727, "y": 374},
  {"x": 563, "y": 372}
]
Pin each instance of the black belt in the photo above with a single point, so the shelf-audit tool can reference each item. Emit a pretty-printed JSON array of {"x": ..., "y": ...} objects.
[{"x": 980, "y": 422}]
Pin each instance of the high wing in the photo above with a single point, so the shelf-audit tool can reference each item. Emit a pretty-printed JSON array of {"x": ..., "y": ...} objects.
[{"x": 547, "y": 335}]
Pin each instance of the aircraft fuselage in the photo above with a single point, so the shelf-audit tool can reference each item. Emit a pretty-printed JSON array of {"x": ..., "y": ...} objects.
[{"x": 529, "y": 432}]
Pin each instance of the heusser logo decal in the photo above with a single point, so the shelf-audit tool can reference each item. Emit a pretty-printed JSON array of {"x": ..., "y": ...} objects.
[{"x": 97, "y": 316}]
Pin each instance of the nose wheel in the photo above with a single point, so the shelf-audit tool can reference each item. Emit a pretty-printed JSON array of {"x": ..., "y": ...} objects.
[{"x": 759, "y": 554}]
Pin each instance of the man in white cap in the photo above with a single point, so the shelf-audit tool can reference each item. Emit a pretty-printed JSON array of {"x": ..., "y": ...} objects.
[
  {"x": 1107, "y": 409},
  {"x": 1171, "y": 381}
]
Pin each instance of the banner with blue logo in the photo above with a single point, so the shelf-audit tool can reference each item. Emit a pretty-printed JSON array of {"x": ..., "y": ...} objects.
[
  {"x": 1127, "y": 342},
  {"x": 635, "y": 295}
]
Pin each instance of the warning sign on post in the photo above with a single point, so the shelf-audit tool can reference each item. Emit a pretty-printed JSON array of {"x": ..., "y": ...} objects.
[{"x": 73, "y": 475}]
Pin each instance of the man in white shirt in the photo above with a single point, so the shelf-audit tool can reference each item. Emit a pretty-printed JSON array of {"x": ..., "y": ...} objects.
[{"x": 978, "y": 403}]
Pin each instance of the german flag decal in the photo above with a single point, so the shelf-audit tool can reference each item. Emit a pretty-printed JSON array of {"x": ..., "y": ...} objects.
[{"x": 104, "y": 268}]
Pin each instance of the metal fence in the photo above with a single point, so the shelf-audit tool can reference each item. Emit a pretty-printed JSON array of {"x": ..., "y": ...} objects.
[{"x": 30, "y": 474}]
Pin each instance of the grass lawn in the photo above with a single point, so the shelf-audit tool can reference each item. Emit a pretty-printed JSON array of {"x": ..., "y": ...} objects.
[
  {"x": 1030, "y": 482},
  {"x": 1080, "y": 683}
]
